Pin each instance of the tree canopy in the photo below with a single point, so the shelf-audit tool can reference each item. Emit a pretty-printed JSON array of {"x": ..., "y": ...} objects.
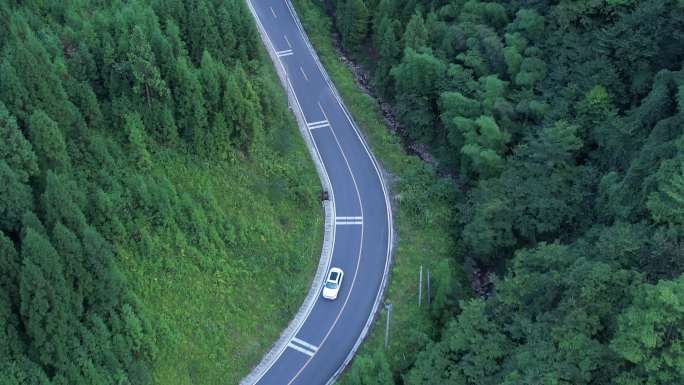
[{"x": 563, "y": 124}]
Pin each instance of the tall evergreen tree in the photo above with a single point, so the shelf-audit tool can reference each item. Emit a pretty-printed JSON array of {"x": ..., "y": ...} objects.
[
  {"x": 44, "y": 302},
  {"x": 48, "y": 142},
  {"x": 15, "y": 198}
]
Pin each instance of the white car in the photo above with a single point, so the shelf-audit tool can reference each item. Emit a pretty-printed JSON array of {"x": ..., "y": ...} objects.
[{"x": 333, "y": 283}]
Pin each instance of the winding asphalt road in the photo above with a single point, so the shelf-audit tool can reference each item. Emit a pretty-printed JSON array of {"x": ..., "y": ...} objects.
[{"x": 361, "y": 246}]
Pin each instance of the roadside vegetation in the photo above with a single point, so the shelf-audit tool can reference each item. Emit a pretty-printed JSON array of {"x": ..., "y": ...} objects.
[
  {"x": 563, "y": 122},
  {"x": 159, "y": 221}
]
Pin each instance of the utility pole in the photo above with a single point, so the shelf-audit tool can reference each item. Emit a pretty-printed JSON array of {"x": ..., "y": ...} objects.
[
  {"x": 420, "y": 286},
  {"x": 388, "y": 308},
  {"x": 428, "y": 286}
]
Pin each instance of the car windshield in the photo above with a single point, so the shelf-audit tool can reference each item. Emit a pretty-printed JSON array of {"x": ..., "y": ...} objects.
[
  {"x": 333, "y": 276},
  {"x": 331, "y": 285}
]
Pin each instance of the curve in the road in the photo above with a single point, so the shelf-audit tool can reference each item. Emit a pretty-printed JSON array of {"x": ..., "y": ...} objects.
[{"x": 324, "y": 335}]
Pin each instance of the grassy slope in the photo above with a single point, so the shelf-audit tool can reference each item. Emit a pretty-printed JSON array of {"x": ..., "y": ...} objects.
[
  {"x": 419, "y": 243},
  {"x": 218, "y": 309}
]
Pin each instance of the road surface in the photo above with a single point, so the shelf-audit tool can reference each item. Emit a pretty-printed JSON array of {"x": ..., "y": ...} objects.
[{"x": 322, "y": 344}]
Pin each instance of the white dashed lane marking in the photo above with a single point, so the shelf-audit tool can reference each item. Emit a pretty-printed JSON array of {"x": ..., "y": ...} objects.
[
  {"x": 304, "y": 73},
  {"x": 273, "y": 12},
  {"x": 348, "y": 220},
  {"x": 302, "y": 346},
  {"x": 319, "y": 124}
]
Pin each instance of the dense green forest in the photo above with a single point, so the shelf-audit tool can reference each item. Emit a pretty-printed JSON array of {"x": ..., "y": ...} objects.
[
  {"x": 149, "y": 170},
  {"x": 563, "y": 123}
]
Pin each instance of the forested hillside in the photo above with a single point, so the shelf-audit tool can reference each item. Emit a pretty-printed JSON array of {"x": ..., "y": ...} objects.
[
  {"x": 564, "y": 125},
  {"x": 158, "y": 214}
]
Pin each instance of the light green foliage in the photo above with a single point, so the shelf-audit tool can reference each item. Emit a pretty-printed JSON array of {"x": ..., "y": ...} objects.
[
  {"x": 457, "y": 113},
  {"x": 666, "y": 204},
  {"x": 484, "y": 144},
  {"x": 649, "y": 334}
]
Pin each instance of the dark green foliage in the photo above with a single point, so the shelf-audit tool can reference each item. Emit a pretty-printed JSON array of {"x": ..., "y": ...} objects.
[
  {"x": 45, "y": 301},
  {"x": 564, "y": 125},
  {"x": 15, "y": 150},
  {"x": 15, "y": 198},
  {"x": 48, "y": 142},
  {"x": 352, "y": 21}
]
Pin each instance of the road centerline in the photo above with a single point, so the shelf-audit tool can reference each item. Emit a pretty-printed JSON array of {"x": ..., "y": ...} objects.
[{"x": 304, "y": 73}]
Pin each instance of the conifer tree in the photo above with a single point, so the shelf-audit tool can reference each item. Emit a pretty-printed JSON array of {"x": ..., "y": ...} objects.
[
  {"x": 44, "y": 302},
  {"x": 48, "y": 142},
  {"x": 135, "y": 130},
  {"x": 202, "y": 31},
  {"x": 148, "y": 82},
  {"x": 353, "y": 23},
  {"x": 15, "y": 198},
  {"x": 14, "y": 148},
  {"x": 416, "y": 34}
]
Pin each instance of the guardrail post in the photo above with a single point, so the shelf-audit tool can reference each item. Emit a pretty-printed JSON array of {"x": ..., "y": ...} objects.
[
  {"x": 420, "y": 286},
  {"x": 388, "y": 308},
  {"x": 427, "y": 282}
]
